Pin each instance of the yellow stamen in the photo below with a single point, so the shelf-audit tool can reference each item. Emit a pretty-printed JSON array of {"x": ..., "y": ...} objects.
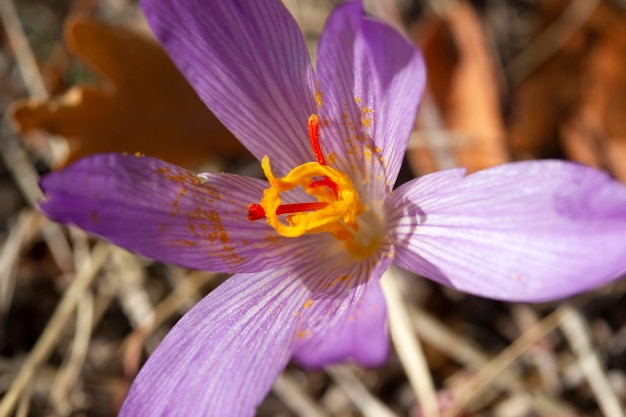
[{"x": 338, "y": 217}]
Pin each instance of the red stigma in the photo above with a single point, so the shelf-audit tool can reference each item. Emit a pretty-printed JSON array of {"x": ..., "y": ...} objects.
[
  {"x": 314, "y": 137},
  {"x": 299, "y": 207},
  {"x": 256, "y": 212}
]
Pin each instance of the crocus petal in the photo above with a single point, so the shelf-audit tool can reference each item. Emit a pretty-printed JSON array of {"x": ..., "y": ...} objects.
[
  {"x": 527, "y": 231},
  {"x": 164, "y": 212},
  {"x": 223, "y": 356},
  {"x": 345, "y": 317},
  {"x": 248, "y": 62},
  {"x": 370, "y": 81}
]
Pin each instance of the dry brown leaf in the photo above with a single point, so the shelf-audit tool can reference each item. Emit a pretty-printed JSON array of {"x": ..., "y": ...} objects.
[
  {"x": 576, "y": 102},
  {"x": 463, "y": 82},
  {"x": 144, "y": 106},
  {"x": 549, "y": 95},
  {"x": 601, "y": 115},
  {"x": 540, "y": 103}
]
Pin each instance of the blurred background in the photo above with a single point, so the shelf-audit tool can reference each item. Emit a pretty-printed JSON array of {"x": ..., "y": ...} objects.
[{"x": 508, "y": 80}]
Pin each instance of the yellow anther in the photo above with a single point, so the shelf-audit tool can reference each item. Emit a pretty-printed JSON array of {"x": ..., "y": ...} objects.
[{"x": 327, "y": 185}]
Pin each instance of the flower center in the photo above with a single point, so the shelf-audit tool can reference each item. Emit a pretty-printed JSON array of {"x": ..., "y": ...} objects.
[{"x": 337, "y": 207}]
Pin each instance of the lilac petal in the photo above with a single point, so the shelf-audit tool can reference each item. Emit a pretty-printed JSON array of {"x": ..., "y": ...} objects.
[
  {"x": 527, "y": 231},
  {"x": 223, "y": 356},
  {"x": 371, "y": 80},
  {"x": 248, "y": 62},
  {"x": 164, "y": 212},
  {"x": 345, "y": 317}
]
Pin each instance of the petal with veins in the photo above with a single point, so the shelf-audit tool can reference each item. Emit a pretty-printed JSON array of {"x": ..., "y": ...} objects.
[
  {"x": 223, "y": 356},
  {"x": 370, "y": 82},
  {"x": 527, "y": 231},
  {"x": 165, "y": 212},
  {"x": 346, "y": 317},
  {"x": 248, "y": 62}
]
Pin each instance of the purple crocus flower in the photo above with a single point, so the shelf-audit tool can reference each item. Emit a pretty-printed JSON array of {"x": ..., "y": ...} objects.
[{"x": 309, "y": 245}]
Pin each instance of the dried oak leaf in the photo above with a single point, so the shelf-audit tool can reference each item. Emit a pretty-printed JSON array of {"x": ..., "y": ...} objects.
[
  {"x": 574, "y": 105},
  {"x": 463, "y": 83},
  {"x": 144, "y": 106},
  {"x": 595, "y": 133}
]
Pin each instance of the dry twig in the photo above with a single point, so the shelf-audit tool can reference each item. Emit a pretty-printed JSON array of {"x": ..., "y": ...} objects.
[
  {"x": 408, "y": 347},
  {"x": 488, "y": 373},
  {"x": 9, "y": 254},
  {"x": 550, "y": 41},
  {"x": 57, "y": 322},
  {"x": 365, "y": 401},
  {"x": 297, "y": 399},
  {"x": 575, "y": 329},
  {"x": 70, "y": 371}
]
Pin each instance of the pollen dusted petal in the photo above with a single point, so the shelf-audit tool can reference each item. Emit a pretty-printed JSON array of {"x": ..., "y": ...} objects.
[
  {"x": 223, "y": 356},
  {"x": 346, "y": 316},
  {"x": 164, "y": 212},
  {"x": 370, "y": 80},
  {"x": 527, "y": 231}
]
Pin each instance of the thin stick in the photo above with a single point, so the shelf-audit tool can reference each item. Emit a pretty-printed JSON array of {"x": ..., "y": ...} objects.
[
  {"x": 575, "y": 329},
  {"x": 407, "y": 346},
  {"x": 543, "y": 357},
  {"x": 170, "y": 305},
  {"x": 299, "y": 401},
  {"x": 367, "y": 403},
  {"x": 488, "y": 373},
  {"x": 52, "y": 332},
  {"x": 15, "y": 157},
  {"x": 150, "y": 322},
  {"x": 23, "y": 406},
  {"x": 70, "y": 371},
  {"x": 449, "y": 343},
  {"x": 26, "y": 62},
  {"x": 550, "y": 41},
  {"x": 132, "y": 295},
  {"x": 27, "y": 179},
  {"x": 9, "y": 254}
]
